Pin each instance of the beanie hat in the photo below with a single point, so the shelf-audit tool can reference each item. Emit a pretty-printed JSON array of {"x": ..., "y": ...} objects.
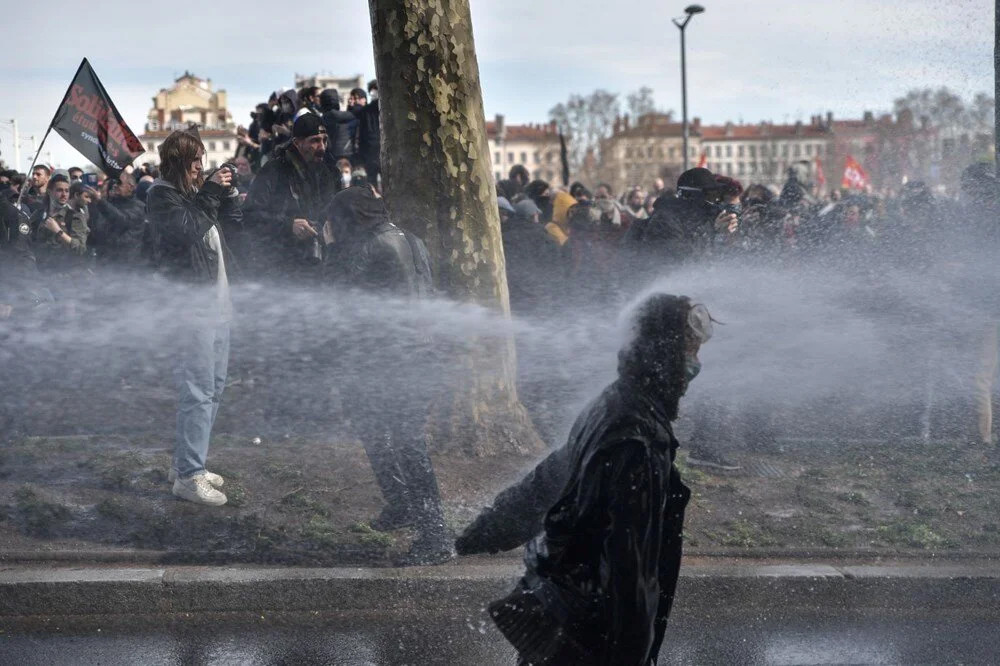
[
  {"x": 307, "y": 125},
  {"x": 527, "y": 208}
]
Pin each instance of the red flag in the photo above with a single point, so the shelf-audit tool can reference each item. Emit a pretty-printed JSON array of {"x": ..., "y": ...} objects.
[
  {"x": 702, "y": 161},
  {"x": 854, "y": 175},
  {"x": 820, "y": 176}
]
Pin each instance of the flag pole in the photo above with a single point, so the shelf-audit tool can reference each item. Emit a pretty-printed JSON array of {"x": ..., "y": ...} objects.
[{"x": 20, "y": 195}]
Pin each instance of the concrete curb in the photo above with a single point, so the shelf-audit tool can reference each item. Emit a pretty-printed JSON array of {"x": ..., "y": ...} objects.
[
  {"x": 29, "y": 591},
  {"x": 126, "y": 556}
]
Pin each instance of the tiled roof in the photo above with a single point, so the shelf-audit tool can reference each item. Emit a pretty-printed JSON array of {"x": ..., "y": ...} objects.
[{"x": 524, "y": 132}]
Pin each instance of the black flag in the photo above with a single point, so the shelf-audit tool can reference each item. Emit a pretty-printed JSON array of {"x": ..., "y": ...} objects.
[
  {"x": 564, "y": 158},
  {"x": 89, "y": 121}
]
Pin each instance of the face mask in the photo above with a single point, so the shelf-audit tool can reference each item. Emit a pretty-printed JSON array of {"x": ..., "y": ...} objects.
[
  {"x": 345, "y": 178},
  {"x": 692, "y": 366}
]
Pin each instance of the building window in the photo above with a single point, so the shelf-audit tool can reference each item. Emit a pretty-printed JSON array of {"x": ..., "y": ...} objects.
[
  {"x": 152, "y": 146},
  {"x": 211, "y": 147},
  {"x": 753, "y": 167},
  {"x": 742, "y": 168},
  {"x": 729, "y": 152},
  {"x": 510, "y": 158},
  {"x": 739, "y": 153},
  {"x": 819, "y": 149},
  {"x": 212, "y": 164},
  {"x": 538, "y": 157},
  {"x": 628, "y": 153},
  {"x": 673, "y": 152},
  {"x": 225, "y": 146},
  {"x": 497, "y": 174},
  {"x": 649, "y": 151},
  {"x": 784, "y": 150},
  {"x": 496, "y": 157},
  {"x": 753, "y": 151},
  {"x": 729, "y": 168},
  {"x": 524, "y": 158},
  {"x": 718, "y": 151},
  {"x": 809, "y": 149},
  {"x": 659, "y": 152},
  {"x": 548, "y": 157},
  {"x": 797, "y": 150}
]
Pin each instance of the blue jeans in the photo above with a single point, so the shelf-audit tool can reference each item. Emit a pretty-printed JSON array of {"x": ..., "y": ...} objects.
[{"x": 202, "y": 364}]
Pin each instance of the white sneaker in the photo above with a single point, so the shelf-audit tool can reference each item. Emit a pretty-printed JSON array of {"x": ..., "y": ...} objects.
[
  {"x": 211, "y": 477},
  {"x": 198, "y": 489}
]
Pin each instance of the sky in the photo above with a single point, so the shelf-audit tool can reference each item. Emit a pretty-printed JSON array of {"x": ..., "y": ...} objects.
[{"x": 777, "y": 60}]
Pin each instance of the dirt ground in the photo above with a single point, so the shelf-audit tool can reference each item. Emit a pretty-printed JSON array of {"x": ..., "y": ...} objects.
[{"x": 301, "y": 500}]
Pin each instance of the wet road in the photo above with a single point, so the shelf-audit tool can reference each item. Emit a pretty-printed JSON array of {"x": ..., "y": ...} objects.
[{"x": 304, "y": 639}]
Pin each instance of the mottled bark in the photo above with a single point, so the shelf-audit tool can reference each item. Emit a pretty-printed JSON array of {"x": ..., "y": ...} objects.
[{"x": 438, "y": 184}]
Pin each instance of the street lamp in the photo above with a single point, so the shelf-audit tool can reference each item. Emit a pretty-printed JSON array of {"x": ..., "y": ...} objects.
[{"x": 689, "y": 12}]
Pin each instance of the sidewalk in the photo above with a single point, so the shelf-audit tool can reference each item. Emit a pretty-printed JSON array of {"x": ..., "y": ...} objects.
[{"x": 706, "y": 583}]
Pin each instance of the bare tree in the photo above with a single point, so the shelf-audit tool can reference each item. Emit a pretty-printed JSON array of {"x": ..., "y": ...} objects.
[
  {"x": 641, "y": 102},
  {"x": 435, "y": 166},
  {"x": 586, "y": 120},
  {"x": 943, "y": 108}
]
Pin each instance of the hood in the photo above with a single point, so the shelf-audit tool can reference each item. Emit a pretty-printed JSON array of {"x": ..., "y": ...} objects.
[
  {"x": 291, "y": 97},
  {"x": 329, "y": 100},
  {"x": 653, "y": 357},
  {"x": 561, "y": 203},
  {"x": 356, "y": 208}
]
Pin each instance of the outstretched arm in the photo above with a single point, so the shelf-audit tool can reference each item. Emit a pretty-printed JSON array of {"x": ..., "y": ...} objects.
[{"x": 517, "y": 512}]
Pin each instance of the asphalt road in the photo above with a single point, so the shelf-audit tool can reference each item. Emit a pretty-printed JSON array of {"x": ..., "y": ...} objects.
[{"x": 305, "y": 638}]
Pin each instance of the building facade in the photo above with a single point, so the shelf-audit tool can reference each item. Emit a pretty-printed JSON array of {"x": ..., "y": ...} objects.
[
  {"x": 191, "y": 101},
  {"x": 534, "y": 146},
  {"x": 893, "y": 150}
]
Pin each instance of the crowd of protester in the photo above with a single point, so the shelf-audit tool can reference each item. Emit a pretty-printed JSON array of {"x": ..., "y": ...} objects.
[{"x": 576, "y": 245}]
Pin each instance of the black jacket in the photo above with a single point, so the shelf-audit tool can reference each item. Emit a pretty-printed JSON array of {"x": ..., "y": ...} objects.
[
  {"x": 117, "y": 226},
  {"x": 371, "y": 253},
  {"x": 369, "y": 133},
  {"x": 533, "y": 263},
  {"x": 601, "y": 575},
  {"x": 678, "y": 231},
  {"x": 340, "y": 128},
  {"x": 178, "y": 222},
  {"x": 285, "y": 189},
  {"x": 17, "y": 262},
  {"x": 384, "y": 258}
]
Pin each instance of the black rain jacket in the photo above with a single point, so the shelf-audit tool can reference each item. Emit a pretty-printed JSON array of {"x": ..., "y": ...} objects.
[{"x": 600, "y": 577}]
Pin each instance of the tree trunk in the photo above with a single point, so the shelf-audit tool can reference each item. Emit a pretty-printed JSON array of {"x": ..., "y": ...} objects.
[{"x": 439, "y": 185}]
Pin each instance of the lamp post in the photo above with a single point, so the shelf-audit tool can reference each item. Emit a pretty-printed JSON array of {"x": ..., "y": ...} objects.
[{"x": 689, "y": 12}]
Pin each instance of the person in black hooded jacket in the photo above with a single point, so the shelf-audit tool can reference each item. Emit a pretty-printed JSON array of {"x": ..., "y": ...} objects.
[
  {"x": 369, "y": 134},
  {"x": 393, "y": 377},
  {"x": 340, "y": 128},
  {"x": 606, "y": 511},
  {"x": 682, "y": 229}
]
